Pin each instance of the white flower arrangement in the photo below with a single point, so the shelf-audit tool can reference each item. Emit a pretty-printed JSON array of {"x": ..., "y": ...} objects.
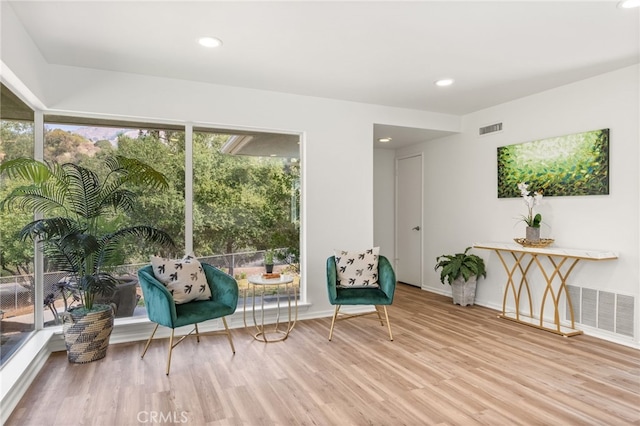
[{"x": 531, "y": 199}]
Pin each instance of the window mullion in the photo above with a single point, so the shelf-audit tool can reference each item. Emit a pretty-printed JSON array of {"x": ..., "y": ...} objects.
[
  {"x": 188, "y": 187},
  {"x": 38, "y": 256}
]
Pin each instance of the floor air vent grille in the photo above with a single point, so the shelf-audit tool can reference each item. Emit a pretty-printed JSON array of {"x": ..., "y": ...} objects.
[{"x": 602, "y": 309}]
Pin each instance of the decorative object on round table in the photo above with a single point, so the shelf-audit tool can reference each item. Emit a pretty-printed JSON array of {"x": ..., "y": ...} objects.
[
  {"x": 268, "y": 261},
  {"x": 541, "y": 243}
]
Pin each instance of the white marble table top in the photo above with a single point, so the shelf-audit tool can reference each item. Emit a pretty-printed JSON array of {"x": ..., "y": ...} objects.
[
  {"x": 555, "y": 251},
  {"x": 257, "y": 279}
]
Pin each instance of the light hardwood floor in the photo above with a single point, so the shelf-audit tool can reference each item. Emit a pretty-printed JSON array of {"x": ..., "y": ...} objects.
[{"x": 447, "y": 365}]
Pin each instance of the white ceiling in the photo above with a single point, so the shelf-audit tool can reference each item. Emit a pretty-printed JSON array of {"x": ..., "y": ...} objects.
[{"x": 386, "y": 53}]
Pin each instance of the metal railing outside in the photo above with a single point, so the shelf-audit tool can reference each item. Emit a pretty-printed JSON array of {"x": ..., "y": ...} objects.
[{"x": 17, "y": 292}]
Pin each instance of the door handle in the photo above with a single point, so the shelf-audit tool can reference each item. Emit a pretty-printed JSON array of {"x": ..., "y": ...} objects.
[{"x": 416, "y": 228}]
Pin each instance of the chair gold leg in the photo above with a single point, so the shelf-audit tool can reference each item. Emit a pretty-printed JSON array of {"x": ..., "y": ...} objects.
[
  {"x": 197, "y": 333},
  {"x": 333, "y": 321},
  {"x": 224, "y": 321},
  {"x": 379, "y": 316},
  {"x": 386, "y": 316},
  {"x": 170, "y": 350},
  {"x": 149, "y": 341}
]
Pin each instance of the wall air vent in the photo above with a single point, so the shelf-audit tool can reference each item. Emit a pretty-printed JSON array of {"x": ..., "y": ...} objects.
[{"x": 492, "y": 128}]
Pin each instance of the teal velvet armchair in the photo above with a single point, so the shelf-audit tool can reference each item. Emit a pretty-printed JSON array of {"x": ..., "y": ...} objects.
[
  {"x": 162, "y": 310},
  {"x": 379, "y": 297}
]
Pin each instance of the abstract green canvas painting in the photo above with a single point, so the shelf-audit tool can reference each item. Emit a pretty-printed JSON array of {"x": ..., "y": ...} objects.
[{"x": 576, "y": 164}]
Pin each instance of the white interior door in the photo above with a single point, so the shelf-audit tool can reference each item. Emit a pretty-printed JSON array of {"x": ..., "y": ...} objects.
[{"x": 409, "y": 220}]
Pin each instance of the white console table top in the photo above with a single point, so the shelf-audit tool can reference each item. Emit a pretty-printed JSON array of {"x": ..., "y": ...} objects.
[{"x": 552, "y": 251}]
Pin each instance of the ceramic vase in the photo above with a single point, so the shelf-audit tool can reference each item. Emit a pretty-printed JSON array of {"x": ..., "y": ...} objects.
[
  {"x": 464, "y": 292},
  {"x": 533, "y": 234}
]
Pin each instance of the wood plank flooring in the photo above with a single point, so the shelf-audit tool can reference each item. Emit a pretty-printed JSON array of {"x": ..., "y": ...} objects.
[{"x": 447, "y": 365}]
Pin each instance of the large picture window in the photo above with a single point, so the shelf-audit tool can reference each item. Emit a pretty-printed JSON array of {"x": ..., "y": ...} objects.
[
  {"x": 245, "y": 191},
  {"x": 88, "y": 145},
  {"x": 246, "y": 200},
  {"x": 17, "y": 279}
]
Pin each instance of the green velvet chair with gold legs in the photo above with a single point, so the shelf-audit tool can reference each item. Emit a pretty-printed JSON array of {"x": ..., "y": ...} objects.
[
  {"x": 162, "y": 310},
  {"x": 378, "y": 297}
]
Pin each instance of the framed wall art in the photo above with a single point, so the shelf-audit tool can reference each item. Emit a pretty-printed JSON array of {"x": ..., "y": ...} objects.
[{"x": 576, "y": 164}]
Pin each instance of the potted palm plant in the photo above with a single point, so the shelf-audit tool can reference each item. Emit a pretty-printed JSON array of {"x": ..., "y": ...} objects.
[
  {"x": 79, "y": 234},
  {"x": 461, "y": 271}
]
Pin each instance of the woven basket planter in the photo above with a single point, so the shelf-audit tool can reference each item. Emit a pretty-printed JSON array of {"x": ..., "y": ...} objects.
[
  {"x": 86, "y": 335},
  {"x": 464, "y": 292}
]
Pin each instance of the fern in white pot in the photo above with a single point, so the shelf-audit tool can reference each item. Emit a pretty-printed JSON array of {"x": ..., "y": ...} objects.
[{"x": 461, "y": 271}]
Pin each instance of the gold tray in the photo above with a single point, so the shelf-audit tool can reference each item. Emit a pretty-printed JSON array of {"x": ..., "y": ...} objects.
[{"x": 544, "y": 242}]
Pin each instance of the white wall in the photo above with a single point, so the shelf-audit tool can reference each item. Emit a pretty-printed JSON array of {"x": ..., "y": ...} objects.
[
  {"x": 461, "y": 204},
  {"x": 384, "y": 182}
]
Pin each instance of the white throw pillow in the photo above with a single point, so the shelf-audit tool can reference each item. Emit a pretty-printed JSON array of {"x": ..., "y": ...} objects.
[
  {"x": 184, "y": 278},
  {"x": 357, "y": 269}
]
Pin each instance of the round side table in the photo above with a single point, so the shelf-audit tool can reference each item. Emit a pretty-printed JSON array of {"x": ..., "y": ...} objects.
[{"x": 257, "y": 287}]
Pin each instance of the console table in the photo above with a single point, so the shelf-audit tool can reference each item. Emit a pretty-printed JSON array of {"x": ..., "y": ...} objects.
[{"x": 558, "y": 266}]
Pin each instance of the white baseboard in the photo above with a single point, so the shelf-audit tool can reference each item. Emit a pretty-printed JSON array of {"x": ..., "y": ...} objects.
[{"x": 18, "y": 373}]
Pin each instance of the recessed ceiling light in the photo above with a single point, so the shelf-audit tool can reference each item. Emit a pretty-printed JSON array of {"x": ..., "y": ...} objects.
[
  {"x": 210, "y": 42},
  {"x": 444, "y": 82},
  {"x": 629, "y": 4},
  {"x": 384, "y": 140}
]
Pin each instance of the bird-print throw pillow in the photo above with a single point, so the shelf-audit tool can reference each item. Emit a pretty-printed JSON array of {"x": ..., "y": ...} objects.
[
  {"x": 184, "y": 278},
  {"x": 357, "y": 269}
]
